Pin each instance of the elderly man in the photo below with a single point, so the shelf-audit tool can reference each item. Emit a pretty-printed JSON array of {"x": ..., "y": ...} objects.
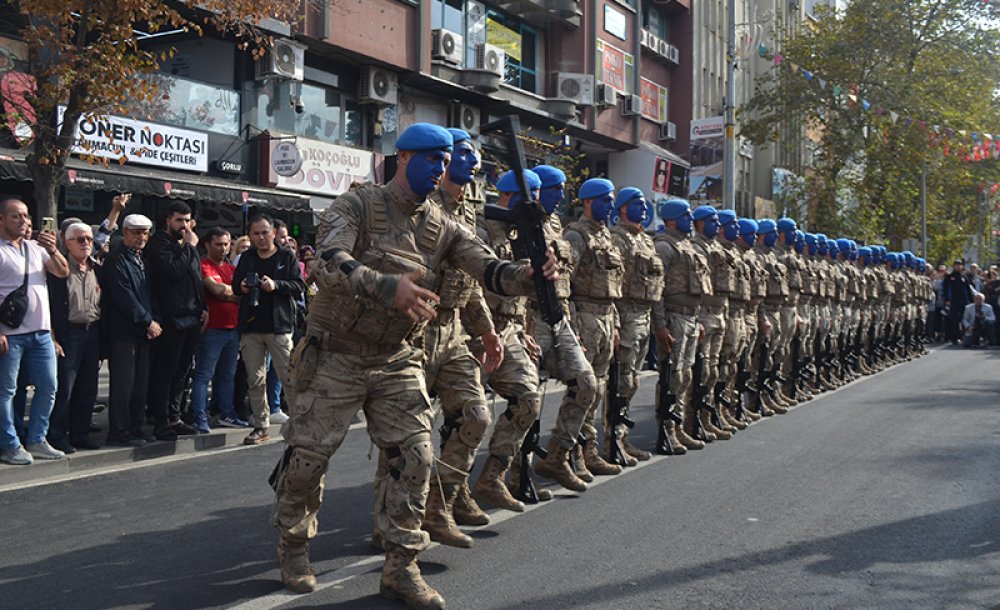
[
  {"x": 75, "y": 308},
  {"x": 27, "y": 341},
  {"x": 978, "y": 321}
]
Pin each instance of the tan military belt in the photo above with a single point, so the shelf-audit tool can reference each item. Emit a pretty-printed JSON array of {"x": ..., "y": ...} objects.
[
  {"x": 686, "y": 310},
  {"x": 711, "y": 309},
  {"x": 592, "y": 307},
  {"x": 633, "y": 307},
  {"x": 714, "y": 300},
  {"x": 353, "y": 348}
]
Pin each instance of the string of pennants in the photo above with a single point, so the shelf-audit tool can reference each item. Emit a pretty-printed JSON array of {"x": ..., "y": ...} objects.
[{"x": 971, "y": 146}]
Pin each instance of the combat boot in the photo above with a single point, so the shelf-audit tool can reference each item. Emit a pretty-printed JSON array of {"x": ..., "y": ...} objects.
[
  {"x": 296, "y": 573},
  {"x": 555, "y": 466},
  {"x": 628, "y": 459},
  {"x": 685, "y": 439},
  {"x": 641, "y": 455},
  {"x": 765, "y": 406},
  {"x": 514, "y": 486},
  {"x": 693, "y": 429},
  {"x": 705, "y": 417},
  {"x": 467, "y": 512},
  {"x": 438, "y": 519},
  {"x": 580, "y": 465},
  {"x": 667, "y": 442},
  {"x": 401, "y": 580},
  {"x": 595, "y": 463},
  {"x": 490, "y": 488}
]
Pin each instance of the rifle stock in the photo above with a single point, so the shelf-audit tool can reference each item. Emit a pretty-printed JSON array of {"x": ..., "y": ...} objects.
[{"x": 617, "y": 414}]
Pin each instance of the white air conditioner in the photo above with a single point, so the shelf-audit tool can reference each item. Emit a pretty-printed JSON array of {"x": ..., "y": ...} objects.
[
  {"x": 576, "y": 88},
  {"x": 490, "y": 58},
  {"x": 670, "y": 52},
  {"x": 644, "y": 38},
  {"x": 378, "y": 86},
  {"x": 668, "y": 131},
  {"x": 447, "y": 46},
  {"x": 466, "y": 117},
  {"x": 650, "y": 41},
  {"x": 285, "y": 59},
  {"x": 632, "y": 105},
  {"x": 606, "y": 95}
]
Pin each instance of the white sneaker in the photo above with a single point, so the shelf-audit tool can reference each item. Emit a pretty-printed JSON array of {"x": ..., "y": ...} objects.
[
  {"x": 45, "y": 451},
  {"x": 17, "y": 456},
  {"x": 278, "y": 417}
]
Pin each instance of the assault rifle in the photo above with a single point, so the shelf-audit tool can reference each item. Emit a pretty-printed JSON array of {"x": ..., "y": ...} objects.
[
  {"x": 527, "y": 217},
  {"x": 665, "y": 411},
  {"x": 526, "y": 491},
  {"x": 617, "y": 414}
]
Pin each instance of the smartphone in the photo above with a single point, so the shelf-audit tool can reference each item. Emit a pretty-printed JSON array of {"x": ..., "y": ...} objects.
[{"x": 49, "y": 224}]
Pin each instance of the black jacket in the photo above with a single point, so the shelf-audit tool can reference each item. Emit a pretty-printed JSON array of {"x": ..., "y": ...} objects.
[
  {"x": 127, "y": 306},
  {"x": 289, "y": 288},
  {"x": 958, "y": 291},
  {"x": 174, "y": 271}
]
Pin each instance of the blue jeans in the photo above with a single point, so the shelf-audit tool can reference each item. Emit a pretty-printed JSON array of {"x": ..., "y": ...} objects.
[
  {"x": 38, "y": 354},
  {"x": 215, "y": 361},
  {"x": 273, "y": 387}
]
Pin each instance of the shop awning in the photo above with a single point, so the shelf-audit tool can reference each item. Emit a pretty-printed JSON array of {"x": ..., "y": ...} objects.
[{"x": 171, "y": 185}]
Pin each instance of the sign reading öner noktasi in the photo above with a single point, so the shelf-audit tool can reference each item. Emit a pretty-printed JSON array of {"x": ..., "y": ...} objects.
[{"x": 114, "y": 137}]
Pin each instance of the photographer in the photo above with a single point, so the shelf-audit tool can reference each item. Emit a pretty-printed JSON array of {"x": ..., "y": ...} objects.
[
  {"x": 978, "y": 321},
  {"x": 270, "y": 281}
]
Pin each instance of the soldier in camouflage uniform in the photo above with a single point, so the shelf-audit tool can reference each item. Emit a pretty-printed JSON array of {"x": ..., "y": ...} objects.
[
  {"x": 642, "y": 286},
  {"x": 773, "y": 311},
  {"x": 757, "y": 324},
  {"x": 596, "y": 284},
  {"x": 380, "y": 250},
  {"x": 687, "y": 279},
  {"x": 791, "y": 324},
  {"x": 734, "y": 345},
  {"x": 516, "y": 380}
]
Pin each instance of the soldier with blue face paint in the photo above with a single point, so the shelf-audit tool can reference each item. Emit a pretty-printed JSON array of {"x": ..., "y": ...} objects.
[
  {"x": 597, "y": 284},
  {"x": 791, "y": 323},
  {"x": 758, "y": 326},
  {"x": 772, "y": 310},
  {"x": 642, "y": 287},
  {"x": 735, "y": 345}
]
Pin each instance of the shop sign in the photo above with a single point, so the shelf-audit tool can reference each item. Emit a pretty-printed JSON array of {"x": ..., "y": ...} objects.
[
  {"x": 133, "y": 141},
  {"x": 326, "y": 169},
  {"x": 286, "y": 160},
  {"x": 707, "y": 129}
]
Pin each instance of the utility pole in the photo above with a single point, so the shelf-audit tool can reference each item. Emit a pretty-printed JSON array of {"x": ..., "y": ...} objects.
[
  {"x": 729, "y": 178},
  {"x": 923, "y": 208}
]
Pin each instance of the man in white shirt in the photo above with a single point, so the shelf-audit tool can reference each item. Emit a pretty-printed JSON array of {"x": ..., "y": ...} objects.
[
  {"x": 30, "y": 343},
  {"x": 978, "y": 321}
]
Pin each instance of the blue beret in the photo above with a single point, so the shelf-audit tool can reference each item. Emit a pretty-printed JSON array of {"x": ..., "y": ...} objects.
[
  {"x": 854, "y": 244},
  {"x": 800, "y": 235},
  {"x": 844, "y": 244},
  {"x": 786, "y": 224},
  {"x": 834, "y": 249},
  {"x": 810, "y": 238},
  {"x": 425, "y": 136},
  {"x": 627, "y": 194},
  {"x": 820, "y": 238},
  {"x": 595, "y": 187},
  {"x": 766, "y": 226},
  {"x": 551, "y": 176},
  {"x": 726, "y": 216},
  {"x": 508, "y": 182},
  {"x": 865, "y": 252},
  {"x": 704, "y": 211},
  {"x": 748, "y": 226},
  {"x": 458, "y": 135},
  {"x": 672, "y": 209}
]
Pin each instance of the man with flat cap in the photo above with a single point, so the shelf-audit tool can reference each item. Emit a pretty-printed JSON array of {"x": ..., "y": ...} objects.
[{"x": 381, "y": 250}]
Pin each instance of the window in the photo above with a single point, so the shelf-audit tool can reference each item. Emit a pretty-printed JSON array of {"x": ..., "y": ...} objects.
[
  {"x": 655, "y": 20},
  {"x": 326, "y": 115},
  {"x": 447, "y": 14},
  {"x": 520, "y": 43},
  {"x": 192, "y": 104}
]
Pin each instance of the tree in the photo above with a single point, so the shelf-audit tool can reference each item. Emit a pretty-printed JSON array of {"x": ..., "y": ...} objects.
[
  {"x": 87, "y": 56},
  {"x": 889, "y": 87}
]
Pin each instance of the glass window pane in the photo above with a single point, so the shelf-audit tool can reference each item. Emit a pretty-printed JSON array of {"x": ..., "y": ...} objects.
[
  {"x": 453, "y": 16},
  {"x": 437, "y": 14},
  {"x": 528, "y": 46},
  {"x": 192, "y": 104}
]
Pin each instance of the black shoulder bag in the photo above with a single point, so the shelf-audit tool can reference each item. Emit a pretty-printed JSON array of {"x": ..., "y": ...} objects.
[{"x": 15, "y": 305}]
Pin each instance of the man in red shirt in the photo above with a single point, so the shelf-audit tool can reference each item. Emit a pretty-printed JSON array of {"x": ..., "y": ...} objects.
[{"x": 219, "y": 347}]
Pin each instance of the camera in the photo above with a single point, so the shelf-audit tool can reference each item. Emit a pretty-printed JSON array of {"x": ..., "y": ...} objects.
[
  {"x": 296, "y": 103},
  {"x": 253, "y": 283}
]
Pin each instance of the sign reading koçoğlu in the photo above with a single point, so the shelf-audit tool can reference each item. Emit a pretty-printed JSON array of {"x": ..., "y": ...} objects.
[
  {"x": 134, "y": 141},
  {"x": 323, "y": 169}
]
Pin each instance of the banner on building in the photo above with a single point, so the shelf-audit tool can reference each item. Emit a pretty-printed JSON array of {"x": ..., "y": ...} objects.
[
  {"x": 654, "y": 100},
  {"x": 708, "y": 129},
  {"x": 614, "y": 67},
  {"x": 133, "y": 141},
  {"x": 327, "y": 169}
]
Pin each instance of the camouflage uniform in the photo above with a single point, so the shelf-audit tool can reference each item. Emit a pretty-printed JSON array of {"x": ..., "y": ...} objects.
[
  {"x": 757, "y": 340},
  {"x": 774, "y": 311},
  {"x": 358, "y": 353},
  {"x": 713, "y": 317},
  {"x": 738, "y": 339},
  {"x": 596, "y": 284},
  {"x": 787, "y": 256}
]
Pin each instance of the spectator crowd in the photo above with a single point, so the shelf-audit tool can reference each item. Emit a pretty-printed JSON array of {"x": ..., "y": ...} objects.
[
  {"x": 172, "y": 313},
  {"x": 964, "y": 306}
]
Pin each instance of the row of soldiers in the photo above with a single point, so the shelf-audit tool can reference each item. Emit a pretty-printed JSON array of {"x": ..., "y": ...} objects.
[{"x": 422, "y": 294}]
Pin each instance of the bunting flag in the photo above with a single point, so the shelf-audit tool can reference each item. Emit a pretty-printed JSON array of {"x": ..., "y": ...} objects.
[
  {"x": 822, "y": 84},
  {"x": 894, "y": 116},
  {"x": 807, "y": 74},
  {"x": 778, "y": 58}
]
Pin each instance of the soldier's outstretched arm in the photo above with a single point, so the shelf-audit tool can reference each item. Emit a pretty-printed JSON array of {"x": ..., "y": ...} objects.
[{"x": 468, "y": 253}]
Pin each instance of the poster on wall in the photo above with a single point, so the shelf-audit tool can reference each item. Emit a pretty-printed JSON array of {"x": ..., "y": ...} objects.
[
  {"x": 654, "y": 100},
  {"x": 661, "y": 176}
]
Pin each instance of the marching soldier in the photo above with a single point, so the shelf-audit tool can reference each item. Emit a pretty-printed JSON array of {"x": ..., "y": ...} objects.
[
  {"x": 772, "y": 310},
  {"x": 734, "y": 345},
  {"x": 757, "y": 325}
]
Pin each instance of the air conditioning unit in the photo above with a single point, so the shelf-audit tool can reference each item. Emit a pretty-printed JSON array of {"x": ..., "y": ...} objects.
[
  {"x": 644, "y": 38},
  {"x": 576, "y": 88},
  {"x": 490, "y": 58},
  {"x": 669, "y": 51},
  {"x": 606, "y": 95},
  {"x": 378, "y": 86},
  {"x": 285, "y": 59},
  {"x": 650, "y": 41},
  {"x": 632, "y": 105},
  {"x": 668, "y": 131},
  {"x": 447, "y": 46},
  {"x": 465, "y": 116}
]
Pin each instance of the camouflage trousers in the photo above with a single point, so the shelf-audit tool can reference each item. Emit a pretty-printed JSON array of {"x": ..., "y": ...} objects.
[
  {"x": 516, "y": 380},
  {"x": 453, "y": 374},
  {"x": 772, "y": 313},
  {"x": 595, "y": 325},
  {"x": 390, "y": 389},
  {"x": 631, "y": 353},
  {"x": 734, "y": 343},
  {"x": 713, "y": 319},
  {"x": 562, "y": 356},
  {"x": 684, "y": 329}
]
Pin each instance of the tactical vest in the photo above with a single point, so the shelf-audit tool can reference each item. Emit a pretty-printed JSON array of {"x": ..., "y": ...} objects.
[
  {"x": 498, "y": 236},
  {"x": 777, "y": 275},
  {"x": 758, "y": 274},
  {"x": 552, "y": 230},
  {"x": 808, "y": 274},
  {"x": 384, "y": 248},
  {"x": 840, "y": 282},
  {"x": 688, "y": 277},
  {"x": 872, "y": 284},
  {"x": 720, "y": 270},
  {"x": 643, "y": 268},
  {"x": 794, "y": 267},
  {"x": 741, "y": 273},
  {"x": 454, "y": 287},
  {"x": 599, "y": 272}
]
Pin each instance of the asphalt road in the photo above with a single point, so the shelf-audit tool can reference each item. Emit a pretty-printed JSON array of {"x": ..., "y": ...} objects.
[{"x": 884, "y": 494}]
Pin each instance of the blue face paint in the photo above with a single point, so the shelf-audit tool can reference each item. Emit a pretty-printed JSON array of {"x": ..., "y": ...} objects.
[
  {"x": 711, "y": 228},
  {"x": 600, "y": 207},
  {"x": 464, "y": 159},
  {"x": 813, "y": 248},
  {"x": 685, "y": 223},
  {"x": 770, "y": 239},
  {"x": 550, "y": 198},
  {"x": 424, "y": 168},
  {"x": 749, "y": 238},
  {"x": 731, "y": 230},
  {"x": 788, "y": 235},
  {"x": 635, "y": 211},
  {"x": 800, "y": 246}
]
